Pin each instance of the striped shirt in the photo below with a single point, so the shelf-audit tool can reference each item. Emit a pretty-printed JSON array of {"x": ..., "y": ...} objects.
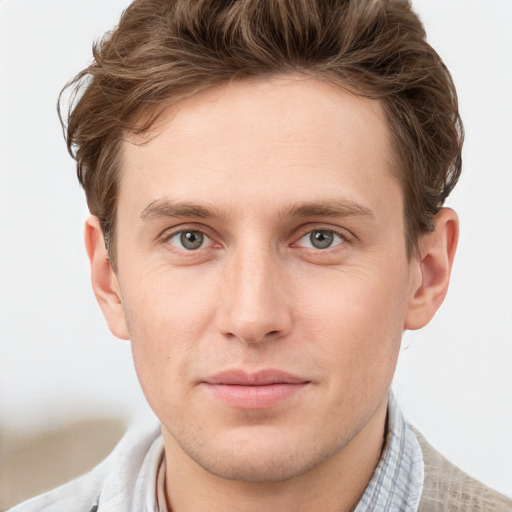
[
  {"x": 132, "y": 477},
  {"x": 397, "y": 483}
]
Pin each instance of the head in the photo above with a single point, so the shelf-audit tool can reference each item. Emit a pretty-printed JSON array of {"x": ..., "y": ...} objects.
[
  {"x": 164, "y": 51},
  {"x": 268, "y": 177}
]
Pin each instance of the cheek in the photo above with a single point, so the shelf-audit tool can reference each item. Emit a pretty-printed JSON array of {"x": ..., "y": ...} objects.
[
  {"x": 163, "y": 306},
  {"x": 166, "y": 319},
  {"x": 358, "y": 321}
]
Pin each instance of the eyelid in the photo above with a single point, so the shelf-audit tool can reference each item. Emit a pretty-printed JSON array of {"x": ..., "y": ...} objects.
[
  {"x": 309, "y": 228},
  {"x": 168, "y": 233},
  {"x": 205, "y": 240},
  {"x": 300, "y": 233}
]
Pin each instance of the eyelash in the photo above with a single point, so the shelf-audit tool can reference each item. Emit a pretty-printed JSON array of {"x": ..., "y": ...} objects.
[
  {"x": 345, "y": 236},
  {"x": 309, "y": 230},
  {"x": 332, "y": 244},
  {"x": 169, "y": 235},
  {"x": 185, "y": 232}
]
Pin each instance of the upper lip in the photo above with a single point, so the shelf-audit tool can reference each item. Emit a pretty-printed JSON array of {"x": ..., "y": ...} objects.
[{"x": 259, "y": 378}]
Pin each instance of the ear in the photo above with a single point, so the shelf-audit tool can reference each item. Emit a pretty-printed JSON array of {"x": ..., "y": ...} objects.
[
  {"x": 434, "y": 266},
  {"x": 104, "y": 280}
]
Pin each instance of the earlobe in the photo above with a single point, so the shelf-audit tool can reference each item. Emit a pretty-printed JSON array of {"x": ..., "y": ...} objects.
[
  {"x": 437, "y": 252},
  {"x": 104, "y": 280}
]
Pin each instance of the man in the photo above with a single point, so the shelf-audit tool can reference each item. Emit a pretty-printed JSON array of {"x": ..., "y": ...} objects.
[{"x": 266, "y": 181}]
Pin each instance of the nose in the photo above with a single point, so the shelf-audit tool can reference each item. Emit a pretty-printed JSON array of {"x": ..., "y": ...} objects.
[{"x": 254, "y": 306}]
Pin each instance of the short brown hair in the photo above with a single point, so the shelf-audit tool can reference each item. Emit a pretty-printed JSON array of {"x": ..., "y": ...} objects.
[{"x": 165, "y": 50}]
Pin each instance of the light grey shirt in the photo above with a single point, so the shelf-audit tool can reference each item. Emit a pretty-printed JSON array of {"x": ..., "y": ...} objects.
[
  {"x": 127, "y": 479},
  {"x": 397, "y": 483}
]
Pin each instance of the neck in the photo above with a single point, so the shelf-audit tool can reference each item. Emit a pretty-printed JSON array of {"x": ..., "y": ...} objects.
[{"x": 334, "y": 486}]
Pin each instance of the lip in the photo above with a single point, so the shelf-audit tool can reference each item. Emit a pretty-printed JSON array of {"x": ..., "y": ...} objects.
[{"x": 254, "y": 390}]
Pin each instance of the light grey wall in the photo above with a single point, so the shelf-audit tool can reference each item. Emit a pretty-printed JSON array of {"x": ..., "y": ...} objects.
[{"x": 57, "y": 358}]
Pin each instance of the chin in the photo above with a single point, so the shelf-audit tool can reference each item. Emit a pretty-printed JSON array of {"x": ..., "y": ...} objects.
[
  {"x": 261, "y": 456},
  {"x": 257, "y": 468}
]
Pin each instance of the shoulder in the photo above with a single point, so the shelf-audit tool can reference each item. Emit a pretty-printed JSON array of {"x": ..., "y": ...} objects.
[
  {"x": 447, "y": 488},
  {"x": 112, "y": 484},
  {"x": 79, "y": 495}
]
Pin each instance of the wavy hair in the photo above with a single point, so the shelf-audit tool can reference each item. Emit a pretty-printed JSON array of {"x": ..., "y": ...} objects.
[{"x": 165, "y": 50}]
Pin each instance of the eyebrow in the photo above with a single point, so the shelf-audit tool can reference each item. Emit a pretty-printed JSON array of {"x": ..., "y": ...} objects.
[
  {"x": 162, "y": 208},
  {"x": 341, "y": 208}
]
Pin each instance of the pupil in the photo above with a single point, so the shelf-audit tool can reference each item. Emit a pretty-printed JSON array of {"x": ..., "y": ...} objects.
[
  {"x": 192, "y": 240},
  {"x": 321, "y": 239}
]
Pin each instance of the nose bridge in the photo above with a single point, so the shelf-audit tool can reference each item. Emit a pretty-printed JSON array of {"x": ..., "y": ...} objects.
[{"x": 255, "y": 304}]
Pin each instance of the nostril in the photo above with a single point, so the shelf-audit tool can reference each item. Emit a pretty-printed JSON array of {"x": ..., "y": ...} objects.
[{"x": 254, "y": 338}]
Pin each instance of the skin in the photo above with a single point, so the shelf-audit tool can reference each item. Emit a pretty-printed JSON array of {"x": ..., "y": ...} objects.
[{"x": 255, "y": 168}]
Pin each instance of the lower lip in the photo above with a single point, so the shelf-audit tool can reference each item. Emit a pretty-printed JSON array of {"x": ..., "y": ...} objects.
[{"x": 255, "y": 397}]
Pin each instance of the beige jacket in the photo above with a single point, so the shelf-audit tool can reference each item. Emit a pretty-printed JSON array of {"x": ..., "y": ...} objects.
[{"x": 448, "y": 489}]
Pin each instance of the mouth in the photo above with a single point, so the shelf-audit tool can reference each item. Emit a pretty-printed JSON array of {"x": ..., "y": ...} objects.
[{"x": 258, "y": 390}]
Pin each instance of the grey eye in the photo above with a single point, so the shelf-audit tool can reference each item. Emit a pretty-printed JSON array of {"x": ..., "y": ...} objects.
[
  {"x": 321, "y": 239},
  {"x": 189, "y": 240}
]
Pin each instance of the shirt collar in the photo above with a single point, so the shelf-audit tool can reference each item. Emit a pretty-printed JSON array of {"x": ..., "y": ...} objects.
[{"x": 397, "y": 482}]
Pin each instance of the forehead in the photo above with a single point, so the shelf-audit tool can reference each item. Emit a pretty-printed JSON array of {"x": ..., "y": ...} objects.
[{"x": 294, "y": 134}]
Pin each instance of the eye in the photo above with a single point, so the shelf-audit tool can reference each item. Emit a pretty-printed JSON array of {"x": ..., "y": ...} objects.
[
  {"x": 321, "y": 239},
  {"x": 189, "y": 240}
]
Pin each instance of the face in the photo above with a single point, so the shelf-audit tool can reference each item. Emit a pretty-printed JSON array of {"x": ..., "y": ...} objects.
[{"x": 263, "y": 274}]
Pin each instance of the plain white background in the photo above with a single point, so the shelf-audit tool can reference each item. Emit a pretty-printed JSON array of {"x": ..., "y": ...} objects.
[{"x": 58, "y": 361}]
